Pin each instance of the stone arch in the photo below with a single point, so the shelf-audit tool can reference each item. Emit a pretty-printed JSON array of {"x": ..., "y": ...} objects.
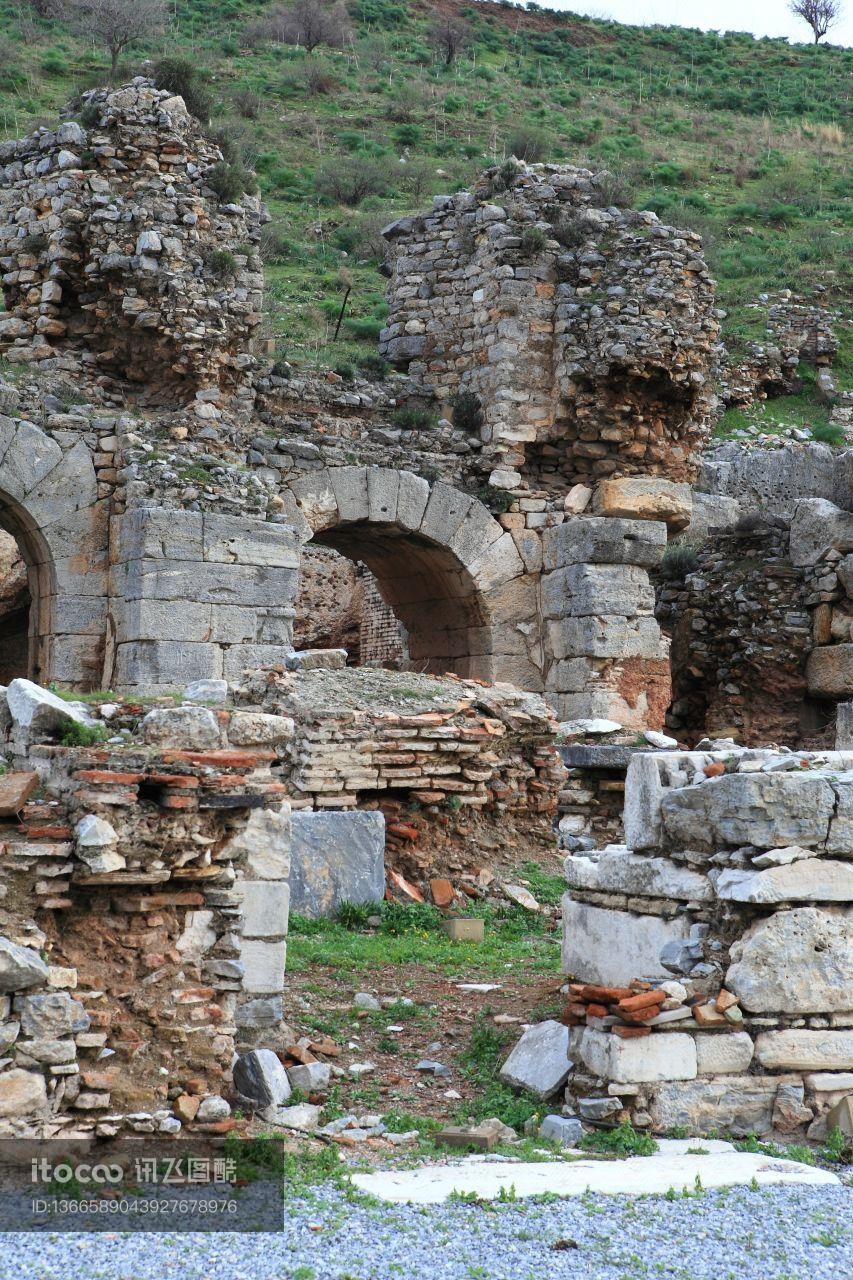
[
  {"x": 49, "y": 504},
  {"x": 452, "y": 575}
]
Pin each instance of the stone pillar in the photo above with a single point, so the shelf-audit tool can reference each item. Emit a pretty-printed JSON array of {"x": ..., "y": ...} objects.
[
  {"x": 198, "y": 596},
  {"x": 609, "y": 658},
  {"x": 844, "y": 727},
  {"x": 263, "y": 849}
]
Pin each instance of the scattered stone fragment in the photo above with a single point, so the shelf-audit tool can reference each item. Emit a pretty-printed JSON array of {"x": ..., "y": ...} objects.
[
  {"x": 539, "y": 1063},
  {"x": 565, "y": 1130},
  {"x": 260, "y": 1077}
]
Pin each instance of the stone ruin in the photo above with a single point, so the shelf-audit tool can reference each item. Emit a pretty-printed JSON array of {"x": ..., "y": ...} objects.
[
  {"x": 510, "y": 497},
  {"x": 116, "y": 251}
]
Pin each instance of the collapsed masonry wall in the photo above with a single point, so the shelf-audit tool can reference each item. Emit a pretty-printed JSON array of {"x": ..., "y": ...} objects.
[
  {"x": 119, "y": 257},
  {"x": 583, "y": 335},
  {"x": 730, "y": 902},
  {"x": 154, "y": 877}
]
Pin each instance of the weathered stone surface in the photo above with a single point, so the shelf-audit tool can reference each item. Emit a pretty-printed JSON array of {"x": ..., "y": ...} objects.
[
  {"x": 797, "y": 961},
  {"x": 566, "y": 1130},
  {"x": 20, "y": 967},
  {"x": 604, "y": 945},
  {"x": 844, "y": 727},
  {"x": 304, "y": 1117},
  {"x": 255, "y": 729},
  {"x": 664, "y": 1055},
  {"x": 335, "y": 858},
  {"x": 738, "y": 1105},
  {"x": 643, "y": 797},
  {"x": 789, "y": 1110},
  {"x": 310, "y": 1076},
  {"x": 718, "y": 1054},
  {"x": 799, "y": 1049},
  {"x": 603, "y": 540},
  {"x": 41, "y": 713},
  {"x": 264, "y": 843},
  {"x": 817, "y": 525},
  {"x": 22, "y": 1093},
  {"x": 762, "y": 809},
  {"x": 213, "y": 1108},
  {"x": 539, "y": 1063},
  {"x": 806, "y": 880},
  {"x": 645, "y": 498},
  {"x": 207, "y": 691},
  {"x": 95, "y": 844},
  {"x": 186, "y": 728},
  {"x": 263, "y": 965},
  {"x": 829, "y": 671},
  {"x": 260, "y": 1077},
  {"x": 584, "y": 590},
  {"x": 265, "y": 908},
  {"x": 618, "y": 871},
  {"x": 51, "y": 1015},
  {"x": 15, "y": 791}
]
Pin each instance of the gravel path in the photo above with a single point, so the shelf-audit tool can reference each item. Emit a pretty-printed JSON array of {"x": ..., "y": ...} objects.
[{"x": 780, "y": 1233}]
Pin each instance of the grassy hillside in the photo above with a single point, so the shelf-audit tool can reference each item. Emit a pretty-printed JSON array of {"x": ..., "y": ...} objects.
[{"x": 742, "y": 139}]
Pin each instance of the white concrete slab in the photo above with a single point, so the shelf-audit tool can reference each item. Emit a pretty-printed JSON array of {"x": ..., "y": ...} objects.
[{"x": 672, "y": 1167}]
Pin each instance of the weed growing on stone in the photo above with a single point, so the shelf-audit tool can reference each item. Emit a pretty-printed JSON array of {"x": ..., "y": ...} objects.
[{"x": 624, "y": 1140}]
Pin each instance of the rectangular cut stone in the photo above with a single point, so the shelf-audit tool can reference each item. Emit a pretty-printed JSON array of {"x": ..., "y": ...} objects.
[
  {"x": 265, "y": 908},
  {"x": 624, "y": 872},
  {"x": 719, "y": 1054},
  {"x": 613, "y": 637},
  {"x": 601, "y": 944},
  {"x": 584, "y": 590},
  {"x": 739, "y": 1105},
  {"x": 264, "y": 966},
  {"x": 664, "y": 1055},
  {"x": 237, "y": 540},
  {"x": 764, "y": 809},
  {"x": 643, "y": 796},
  {"x": 335, "y": 858},
  {"x": 605, "y": 540},
  {"x": 151, "y": 533},
  {"x": 799, "y": 1049}
]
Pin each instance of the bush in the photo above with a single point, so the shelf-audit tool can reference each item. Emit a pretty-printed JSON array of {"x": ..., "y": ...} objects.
[
  {"x": 374, "y": 367},
  {"x": 350, "y": 179},
  {"x": 415, "y": 419},
  {"x": 275, "y": 246},
  {"x": 467, "y": 412},
  {"x": 533, "y": 241},
  {"x": 183, "y": 77},
  {"x": 679, "y": 559},
  {"x": 248, "y": 103},
  {"x": 228, "y": 181},
  {"x": 527, "y": 145},
  {"x": 220, "y": 262},
  {"x": 621, "y": 1141},
  {"x": 84, "y": 735},
  {"x": 829, "y": 433}
]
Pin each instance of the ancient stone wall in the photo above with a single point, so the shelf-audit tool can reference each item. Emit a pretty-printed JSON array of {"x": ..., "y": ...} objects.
[
  {"x": 582, "y": 336},
  {"x": 119, "y": 256},
  {"x": 710, "y": 953}
]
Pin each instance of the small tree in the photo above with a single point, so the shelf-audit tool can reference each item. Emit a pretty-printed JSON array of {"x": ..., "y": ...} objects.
[
  {"x": 449, "y": 36},
  {"x": 306, "y": 22},
  {"x": 819, "y": 14},
  {"x": 117, "y": 24}
]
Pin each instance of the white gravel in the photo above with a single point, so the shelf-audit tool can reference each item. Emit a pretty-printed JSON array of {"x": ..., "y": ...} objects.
[{"x": 779, "y": 1233}]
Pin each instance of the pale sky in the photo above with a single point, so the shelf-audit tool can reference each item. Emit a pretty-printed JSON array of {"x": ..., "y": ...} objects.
[{"x": 761, "y": 17}]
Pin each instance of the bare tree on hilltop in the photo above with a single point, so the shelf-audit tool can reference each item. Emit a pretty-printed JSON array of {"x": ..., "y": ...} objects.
[
  {"x": 117, "y": 24},
  {"x": 449, "y": 36},
  {"x": 819, "y": 14},
  {"x": 306, "y": 22}
]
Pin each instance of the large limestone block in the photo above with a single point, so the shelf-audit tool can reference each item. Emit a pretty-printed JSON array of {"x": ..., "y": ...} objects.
[
  {"x": 801, "y": 1050},
  {"x": 40, "y": 712},
  {"x": 829, "y": 671},
  {"x": 592, "y": 590},
  {"x": 383, "y": 488},
  {"x": 643, "y": 796},
  {"x": 816, "y": 525},
  {"x": 349, "y": 485},
  {"x": 20, "y": 967},
  {"x": 739, "y": 1105},
  {"x": 263, "y": 964},
  {"x": 807, "y": 880},
  {"x": 664, "y": 1055},
  {"x": 844, "y": 726},
  {"x": 610, "y": 637},
  {"x": 336, "y": 857},
  {"x": 22, "y": 1093},
  {"x": 258, "y": 729},
  {"x": 764, "y": 809},
  {"x": 601, "y": 944},
  {"x": 604, "y": 540},
  {"x": 184, "y": 728},
  {"x": 841, "y": 828},
  {"x": 237, "y": 540},
  {"x": 720, "y": 1054},
  {"x": 645, "y": 498},
  {"x": 619, "y": 871},
  {"x": 798, "y": 961},
  {"x": 539, "y": 1063},
  {"x": 264, "y": 844}
]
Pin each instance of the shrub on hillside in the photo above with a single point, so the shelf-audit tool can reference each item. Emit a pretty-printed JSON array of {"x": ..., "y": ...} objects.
[
  {"x": 183, "y": 77},
  {"x": 350, "y": 179}
]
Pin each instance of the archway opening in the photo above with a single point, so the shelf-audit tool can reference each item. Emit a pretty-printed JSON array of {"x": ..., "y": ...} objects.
[
  {"x": 411, "y": 603},
  {"x": 26, "y": 597}
]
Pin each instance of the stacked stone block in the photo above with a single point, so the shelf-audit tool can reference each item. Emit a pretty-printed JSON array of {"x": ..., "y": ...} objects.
[
  {"x": 608, "y": 656},
  {"x": 732, "y": 896}
]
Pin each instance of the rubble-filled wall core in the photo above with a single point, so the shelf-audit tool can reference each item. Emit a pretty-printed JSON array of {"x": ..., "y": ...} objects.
[
  {"x": 115, "y": 246},
  {"x": 580, "y": 336}
]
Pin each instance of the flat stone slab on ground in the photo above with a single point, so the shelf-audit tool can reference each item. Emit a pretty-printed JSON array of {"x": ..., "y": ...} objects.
[
  {"x": 539, "y": 1063},
  {"x": 672, "y": 1168}
]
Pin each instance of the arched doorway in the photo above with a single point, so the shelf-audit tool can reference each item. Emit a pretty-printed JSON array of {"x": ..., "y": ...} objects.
[
  {"x": 451, "y": 575},
  {"x": 27, "y": 591}
]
